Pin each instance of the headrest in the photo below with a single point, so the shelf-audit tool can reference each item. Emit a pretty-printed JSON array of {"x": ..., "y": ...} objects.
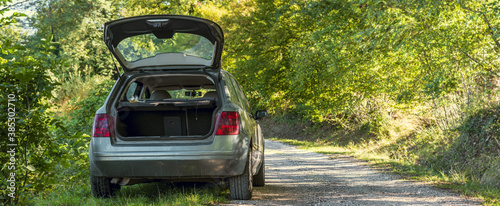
[
  {"x": 160, "y": 95},
  {"x": 211, "y": 94}
]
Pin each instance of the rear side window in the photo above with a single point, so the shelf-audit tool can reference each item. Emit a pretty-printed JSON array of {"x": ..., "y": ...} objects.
[
  {"x": 237, "y": 95},
  {"x": 131, "y": 90},
  {"x": 241, "y": 95},
  {"x": 232, "y": 92}
]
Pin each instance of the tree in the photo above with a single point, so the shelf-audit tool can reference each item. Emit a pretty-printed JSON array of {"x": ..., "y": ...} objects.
[
  {"x": 322, "y": 58},
  {"x": 78, "y": 28}
]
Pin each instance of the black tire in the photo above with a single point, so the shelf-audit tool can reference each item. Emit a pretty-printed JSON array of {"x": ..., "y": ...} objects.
[
  {"x": 240, "y": 187},
  {"x": 259, "y": 180},
  {"x": 102, "y": 187}
]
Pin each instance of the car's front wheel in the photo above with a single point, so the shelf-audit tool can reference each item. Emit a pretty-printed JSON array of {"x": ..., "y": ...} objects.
[
  {"x": 102, "y": 187},
  {"x": 240, "y": 187}
]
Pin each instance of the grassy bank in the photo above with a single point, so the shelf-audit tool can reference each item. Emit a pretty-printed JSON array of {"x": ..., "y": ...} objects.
[{"x": 462, "y": 155}]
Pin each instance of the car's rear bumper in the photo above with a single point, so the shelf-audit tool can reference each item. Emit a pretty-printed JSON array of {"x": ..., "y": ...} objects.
[{"x": 224, "y": 157}]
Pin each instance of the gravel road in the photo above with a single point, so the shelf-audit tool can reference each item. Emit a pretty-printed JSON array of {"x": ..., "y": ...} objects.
[{"x": 299, "y": 177}]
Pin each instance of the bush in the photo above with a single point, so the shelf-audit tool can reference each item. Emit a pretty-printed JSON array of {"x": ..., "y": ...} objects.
[{"x": 27, "y": 87}]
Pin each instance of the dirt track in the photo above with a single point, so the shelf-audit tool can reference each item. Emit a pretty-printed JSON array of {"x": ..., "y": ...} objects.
[{"x": 300, "y": 177}]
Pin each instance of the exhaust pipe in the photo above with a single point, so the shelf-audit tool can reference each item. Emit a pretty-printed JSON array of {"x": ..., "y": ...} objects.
[{"x": 120, "y": 181}]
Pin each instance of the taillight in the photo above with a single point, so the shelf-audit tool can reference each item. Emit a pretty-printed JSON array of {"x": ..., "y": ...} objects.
[
  {"x": 103, "y": 125},
  {"x": 229, "y": 123}
]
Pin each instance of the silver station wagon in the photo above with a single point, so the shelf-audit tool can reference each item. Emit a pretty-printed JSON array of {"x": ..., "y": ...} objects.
[{"x": 174, "y": 114}]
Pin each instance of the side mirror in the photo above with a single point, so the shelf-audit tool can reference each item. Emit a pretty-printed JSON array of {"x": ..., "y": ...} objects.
[{"x": 260, "y": 114}]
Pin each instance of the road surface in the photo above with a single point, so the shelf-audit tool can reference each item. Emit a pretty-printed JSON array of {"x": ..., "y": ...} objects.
[{"x": 299, "y": 177}]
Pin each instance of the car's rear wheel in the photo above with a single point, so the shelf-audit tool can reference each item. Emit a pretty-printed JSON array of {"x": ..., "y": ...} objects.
[
  {"x": 259, "y": 180},
  {"x": 240, "y": 187},
  {"x": 102, "y": 187}
]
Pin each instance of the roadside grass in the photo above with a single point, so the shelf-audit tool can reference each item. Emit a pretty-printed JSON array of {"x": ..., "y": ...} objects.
[
  {"x": 409, "y": 170},
  {"x": 157, "y": 193}
]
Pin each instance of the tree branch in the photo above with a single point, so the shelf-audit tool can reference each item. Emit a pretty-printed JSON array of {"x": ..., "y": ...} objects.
[
  {"x": 486, "y": 20},
  {"x": 472, "y": 58},
  {"x": 12, "y": 5},
  {"x": 478, "y": 62}
]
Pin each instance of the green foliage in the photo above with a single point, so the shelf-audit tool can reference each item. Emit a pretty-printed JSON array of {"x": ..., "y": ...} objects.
[
  {"x": 321, "y": 59},
  {"x": 76, "y": 126},
  {"x": 24, "y": 74},
  {"x": 80, "y": 110},
  {"x": 139, "y": 7},
  {"x": 44, "y": 152},
  {"x": 74, "y": 86},
  {"x": 79, "y": 34}
]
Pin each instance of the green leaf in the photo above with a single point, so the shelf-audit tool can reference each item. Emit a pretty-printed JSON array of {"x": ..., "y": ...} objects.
[{"x": 30, "y": 168}]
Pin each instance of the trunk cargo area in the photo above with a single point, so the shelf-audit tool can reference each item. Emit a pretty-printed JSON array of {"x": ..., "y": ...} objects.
[{"x": 165, "y": 120}]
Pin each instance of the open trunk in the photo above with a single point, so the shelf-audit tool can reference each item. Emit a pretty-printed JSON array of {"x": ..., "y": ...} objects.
[{"x": 185, "y": 110}]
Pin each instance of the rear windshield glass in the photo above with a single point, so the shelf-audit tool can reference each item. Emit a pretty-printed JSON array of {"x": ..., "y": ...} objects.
[
  {"x": 145, "y": 46},
  {"x": 190, "y": 94}
]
